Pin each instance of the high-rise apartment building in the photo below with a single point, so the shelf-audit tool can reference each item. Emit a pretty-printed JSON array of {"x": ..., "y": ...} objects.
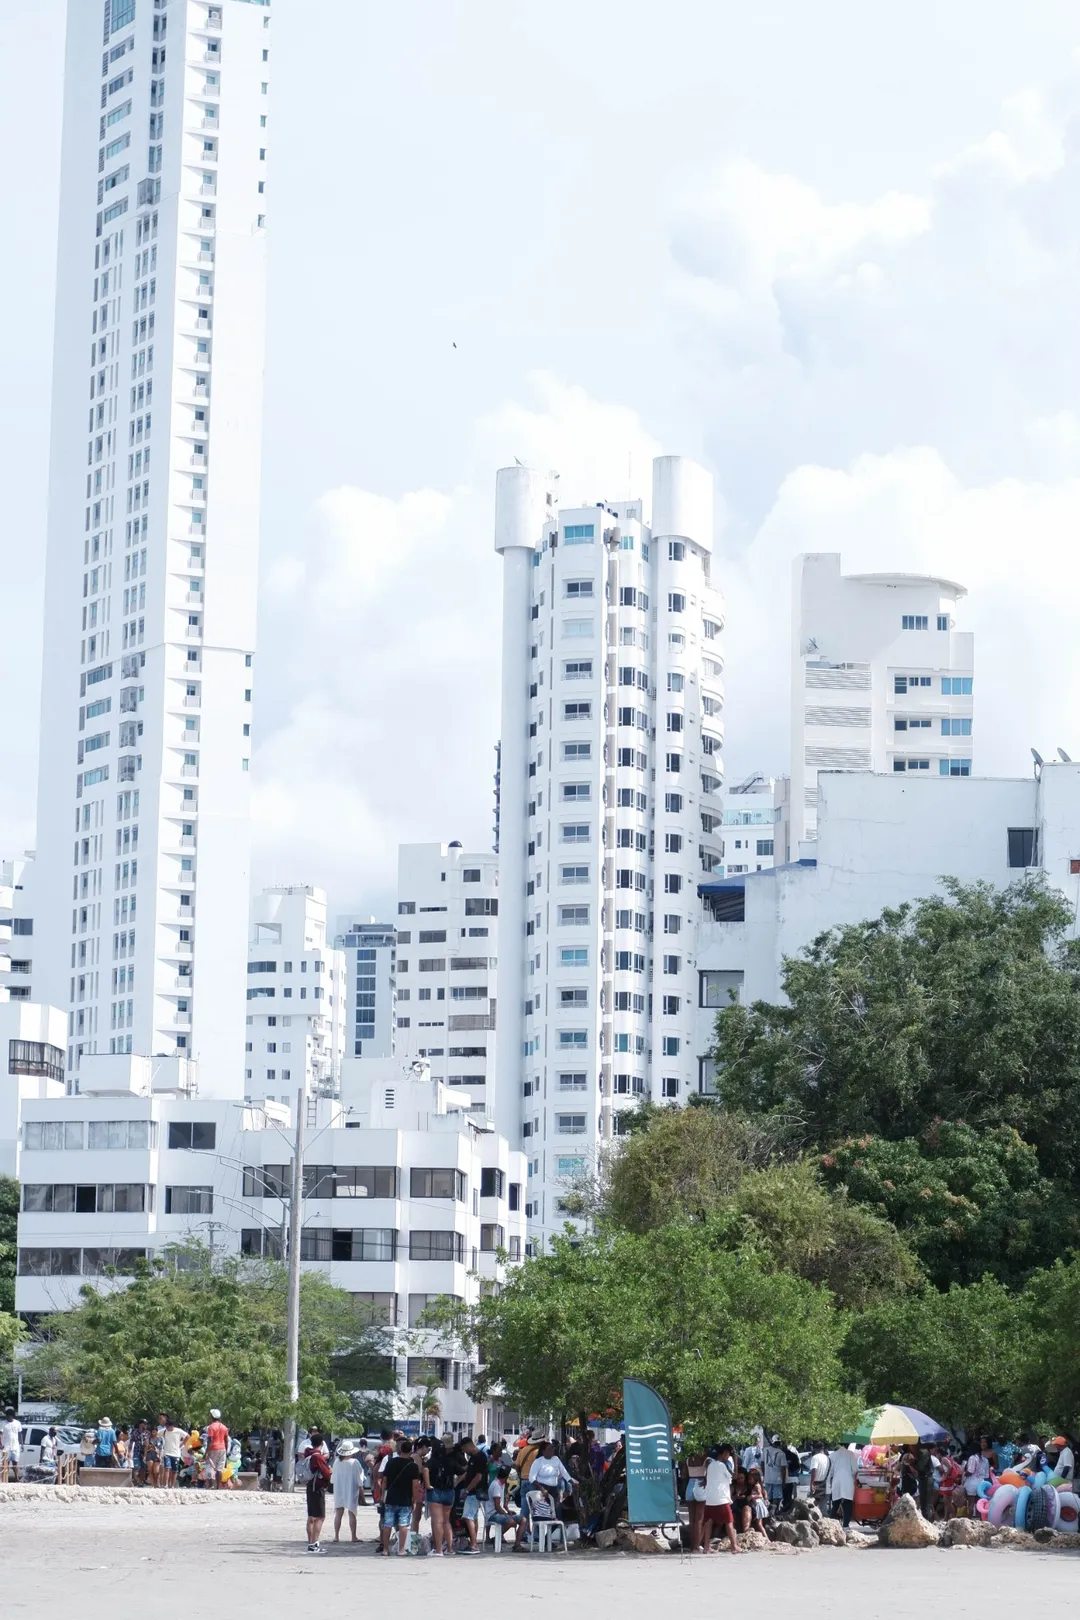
[
  {"x": 881, "y": 679},
  {"x": 295, "y": 998},
  {"x": 756, "y": 824},
  {"x": 17, "y": 928},
  {"x": 447, "y": 962},
  {"x": 370, "y": 951},
  {"x": 609, "y": 809},
  {"x": 143, "y": 803}
]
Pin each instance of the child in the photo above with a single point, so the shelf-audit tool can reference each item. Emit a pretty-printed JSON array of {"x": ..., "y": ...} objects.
[
  {"x": 759, "y": 1504},
  {"x": 500, "y": 1511}
]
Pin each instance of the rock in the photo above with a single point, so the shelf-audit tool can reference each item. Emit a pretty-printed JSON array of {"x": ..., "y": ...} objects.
[
  {"x": 830, "y": 1533},
  {"x": 753, "y": 1541},
  {"x": 648, "y": 1541},
  {"x": 816, "y": 1514},
  {"x": 906, "y": 1527},
  {"x": 785, "y": 1533},
  {"x": 802, "y": 1509},
  {"x": 1008, "y": 1537},
  {"x": 966, "y": 1533},
  {"x": 1044, "y": 1535},
  {"x": 856, "y": 1538},
  {"x": 805, "y": 1534},
  {"x": 606, "y": 1538}
]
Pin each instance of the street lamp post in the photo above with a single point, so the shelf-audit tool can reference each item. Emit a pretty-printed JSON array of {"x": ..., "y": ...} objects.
[{"x": 292, "y": 1362}]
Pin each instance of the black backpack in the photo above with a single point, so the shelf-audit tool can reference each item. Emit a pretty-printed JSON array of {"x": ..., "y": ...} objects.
[{"x": 441, "y": 1470}]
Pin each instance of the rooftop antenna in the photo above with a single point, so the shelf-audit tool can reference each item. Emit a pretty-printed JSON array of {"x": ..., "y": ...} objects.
[
  {"x": 1064, "y": 757},
  {"x": 1039, "y": 761}
]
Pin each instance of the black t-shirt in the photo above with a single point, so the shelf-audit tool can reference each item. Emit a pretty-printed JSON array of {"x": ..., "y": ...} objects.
[
  {"x": 476, "y": 1475},
  {"x": 398, "y": 1479}
]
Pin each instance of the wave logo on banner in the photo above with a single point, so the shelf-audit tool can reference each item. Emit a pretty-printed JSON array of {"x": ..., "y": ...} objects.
[{"x": 650, "y": 1481}]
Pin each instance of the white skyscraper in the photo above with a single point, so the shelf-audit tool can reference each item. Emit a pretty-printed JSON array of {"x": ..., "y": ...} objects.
[
  {"x": 295, "y": 998},
  {"x": 881, "y": 679},
  {"x": 143, "y": 869},
  {"x": 756, "y": 826},
  {"x": 610, "y": 809},
  {"x": 370, "y": 951}
]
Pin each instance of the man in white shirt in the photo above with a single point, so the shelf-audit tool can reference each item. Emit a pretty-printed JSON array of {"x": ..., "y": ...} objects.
[
  {"x": 819, "y": 1472},
  {"x": 1065, "y": 1464},
  {"x": 843, "y": 1468},
  {"x": 775, "y": 1470},
  {"x": 718, "y": 1477},
  {"x": 11, "y": 1433}
]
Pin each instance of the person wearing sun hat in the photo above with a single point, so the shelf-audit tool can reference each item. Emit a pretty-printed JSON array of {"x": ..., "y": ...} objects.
[
  {"x": 106, "y": 1444},
  {"x": 345, "y": 1478},
  {"x": 1064, "y": 1464}
]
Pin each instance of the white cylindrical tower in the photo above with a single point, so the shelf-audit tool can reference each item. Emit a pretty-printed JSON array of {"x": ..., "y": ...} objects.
[{"x": 524, "y": 502}]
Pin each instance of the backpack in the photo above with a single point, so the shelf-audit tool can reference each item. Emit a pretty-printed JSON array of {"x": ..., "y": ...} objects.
[{"x": 441, "y": 1469}]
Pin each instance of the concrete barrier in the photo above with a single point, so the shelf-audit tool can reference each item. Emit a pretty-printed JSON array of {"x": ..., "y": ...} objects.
[{"x": 116, "y": 1479}]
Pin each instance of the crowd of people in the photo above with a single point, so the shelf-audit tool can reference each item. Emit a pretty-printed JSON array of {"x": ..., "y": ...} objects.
[{"x": 160, "y": 1455}]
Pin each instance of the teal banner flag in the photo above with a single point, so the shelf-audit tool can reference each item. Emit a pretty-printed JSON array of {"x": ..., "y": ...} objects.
[{"x": 650, "y": 1480}]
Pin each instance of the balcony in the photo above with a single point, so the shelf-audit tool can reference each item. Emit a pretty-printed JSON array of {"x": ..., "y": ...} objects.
[
  {"x": 194, "y": 599},
  {"x": 193, "y": 632},
  {"x": 193, "y": 703},
  {"x": 201, "y": 391},
  {"x": 186, "y": 841},
  {"x": 189, "y": 770},
  {"x": 183, "y": 984}
]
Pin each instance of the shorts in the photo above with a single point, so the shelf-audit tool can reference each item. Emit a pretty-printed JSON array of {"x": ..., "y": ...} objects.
[
  {"x": 775, "y": 1493},
  {"x": 170, "y": 1464},
  {"x": 440, "y": 1498},
  {"x": 316, "y": 1501},
  {"x": 396, "y": 1518},
  {"x": 471, "y": 1509},
  {"x": 215, "y": 1462},
  {"x": 719, "y": 1513}
]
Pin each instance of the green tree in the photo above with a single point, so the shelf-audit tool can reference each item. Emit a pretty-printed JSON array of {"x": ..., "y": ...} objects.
[
  {"x": 1049, "y": 1326},
  {"x": 9, "y": 1222},
  {"x": 958, "y": 1355},
  {"x": 190, "y": 1336},
  {"x": 727, "y": 1341},
  {"x": 963, "y": 1007},
  {"x": 968, "y": 1201}
]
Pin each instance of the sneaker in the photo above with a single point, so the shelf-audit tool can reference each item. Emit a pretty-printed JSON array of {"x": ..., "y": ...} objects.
[
  {"x": 436, "y": 1552},
  {"x": 318, "y": 1549}
]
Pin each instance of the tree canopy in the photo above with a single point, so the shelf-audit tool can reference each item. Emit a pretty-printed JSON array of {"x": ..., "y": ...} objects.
[
  {"x": 9, "y": 1221},
  {"x": 189, "y": 1336},
  {"x": 728, "y": 1341},
  {"x": 962, "y": 1007}
]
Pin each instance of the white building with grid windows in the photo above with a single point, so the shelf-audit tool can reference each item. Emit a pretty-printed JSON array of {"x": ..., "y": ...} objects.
[
  {"x": 370, "y": 951},
  {"x": 881, "y": 679},
  {"x": 447, "y": 964},
  {"x": 295, "y": 998},
  {"x": 756, "y": 823},
  {"x": 143, "y": 801},
  {"x": 611, "y": 774}
]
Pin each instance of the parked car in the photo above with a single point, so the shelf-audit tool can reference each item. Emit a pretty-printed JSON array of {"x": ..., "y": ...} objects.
[{"x": 34, "y": 1433}]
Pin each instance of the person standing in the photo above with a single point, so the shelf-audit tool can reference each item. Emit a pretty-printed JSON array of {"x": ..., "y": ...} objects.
[
  {"x": 11, "y": 1433},
  {"x": 217, "y": 1448},
  {"x": 474, "y": 1482},
  {"x": 696, "y": 1464},
  {"x": 172, "y": 1441},
  {"x": 50, "y": 1452},
  {"x": 819, "y": 1473},
  {"x": 843, "y": 1470},
  {"x": 976, "y": 1470},
  {"x": 775, "y": 1471},
  {"x": 440, "y": 1478},
  {"x": 318, "y": 1479},
  {"x": 345, "y": 1476},
  {"x": 87, "y": 1447},
  {"x": 718, "y": 1480},
  {"x": 105, "y": 1450},
  {"x": 1064, "y": 1464},
  {"x": 399, "y": 1477},
  {"x": 151, "y": 1451}
]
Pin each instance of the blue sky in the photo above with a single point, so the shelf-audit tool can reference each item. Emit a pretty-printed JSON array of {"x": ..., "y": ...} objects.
[{"x": 830, "y": 250}]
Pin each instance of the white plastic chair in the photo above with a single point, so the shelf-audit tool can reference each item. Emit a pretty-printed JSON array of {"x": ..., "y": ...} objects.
[{"x": 545, "y": 1530}]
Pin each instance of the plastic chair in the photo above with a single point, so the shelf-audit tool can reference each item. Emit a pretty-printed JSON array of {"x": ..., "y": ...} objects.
[{"x": 545, "y": 1530}]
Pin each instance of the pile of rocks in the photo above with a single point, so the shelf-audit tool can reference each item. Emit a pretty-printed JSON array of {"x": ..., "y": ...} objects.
[{"x": 31, "y": 1495}]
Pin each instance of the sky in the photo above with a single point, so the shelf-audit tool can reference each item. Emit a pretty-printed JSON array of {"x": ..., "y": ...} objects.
[{"x": 830, "y": 250}]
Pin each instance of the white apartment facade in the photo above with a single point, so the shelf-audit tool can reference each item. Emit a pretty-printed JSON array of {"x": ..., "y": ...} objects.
[
  {"x": 446, "y": 1011},
  {"x": 295, "y": 998},
  {"x": 756, "y": 821},
  {"x": 17, "y": 928},
  {"x": 610, "y": 809},
  {"x": 881, "y": 679},
  {"x": 882, "y": 840},
  {"x": 406, "y": 1198},
  {"x": 370, "y": 951},
  {"x": 143, "y": 794}
]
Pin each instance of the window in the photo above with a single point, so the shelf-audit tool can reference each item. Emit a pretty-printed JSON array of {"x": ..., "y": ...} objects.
[
  {"x": 574, "y": 957},
  {"x": 577, "y": 750},
  {"x": 573, "y": 874},
  {"x": 121, "y": 1133},
  {"x": 943, "y": 621},
  {"x": 673, "y": 803},
  {"x": 428, "y": 1370},
  {"x": 53, "y": 1135},
  {"x": 571, "y": 916},
  {"x": 954, "y": 767},
  {"x": 673, "y": 965},
  {"x": 189, "y": 1200},
  {"x": 577, "y": 669},
  {"x": 915, "y": 621},
  {"x": 581, "y": 791},
  {"x": 905, "y": 683},
  {"x": 35, "y": 1058},
  {"x": 579, "y": 587},
  {"x": 492, "y": 1184},
  {"x": 672, "y": 923},
  {"x": 378, "y": 1310},
  {"x": 437, "y": 1246},
  {"x": 477, "y": 907},
  {"x": 676, "y": 602},
  {"x": 470, "y": 874},
  {"x": 670, "y": 1045},
  {"x": 671, "y": 1006},
  {"x": 570, "y": 1124},
  {"x": 491, "y": 1238},
  {"x": 676, "y": 683},
  {"x": 581, "y": 629},
  {"x": 1023, "y": 846},
  {"x": 577, "y": 711},
  {"x": 911, "y": 765},
  {"x": 349, "y": 1243},
  {"x": 437, "y": 1184},
  {"x": 676, "y": 551},
  {"x": 431, "y": 936},
  {"x": 956, "y": 685},
  {"x": 955, "y": 728},
  {"x": 672, "y": 883},
  {"x": 764, "y": 846},
  {"x": 418, "y": 1305},
  {"x": 123, "y": 12},
  {"x": 198, "y": 1138},
  {"x": 673, "y": 763},
  {"x": 674, "y": 721},
  {"x": 573, "y": 1080},
  {"x": 578, "y": 534},
  {"x": 267, "y": 1181}
]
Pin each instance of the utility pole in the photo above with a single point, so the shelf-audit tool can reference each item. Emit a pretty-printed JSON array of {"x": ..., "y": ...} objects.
[{"x": 292, "y": 1361}]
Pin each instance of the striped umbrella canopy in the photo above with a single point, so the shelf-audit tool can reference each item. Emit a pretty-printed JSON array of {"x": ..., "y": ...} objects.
[{"x": 896, "y": 1426}]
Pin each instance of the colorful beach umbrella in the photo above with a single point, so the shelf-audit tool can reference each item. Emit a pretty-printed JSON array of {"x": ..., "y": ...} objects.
[{"x": 896, "y": 1426}]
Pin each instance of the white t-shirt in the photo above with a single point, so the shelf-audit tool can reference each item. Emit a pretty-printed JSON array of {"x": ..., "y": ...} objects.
[
  {"x": 548, "y": 1471},
  {"x": 717, "y": 1483},
  {"x": 171, "y": 1441},
  {"x": 843, "y": 1466},
  {"x": 775, "y": 1464},
  {"x": 976, "y": 1469},
  {"x": 48, "y": 1451},
  {"x": 1065, "y": 1465},
  {"x": 752, "y": 1458},
  {"x": 497, "y": 1495},
  {"x": 11, "y": 1438},
  {"x": 819, "y": 1467}
]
